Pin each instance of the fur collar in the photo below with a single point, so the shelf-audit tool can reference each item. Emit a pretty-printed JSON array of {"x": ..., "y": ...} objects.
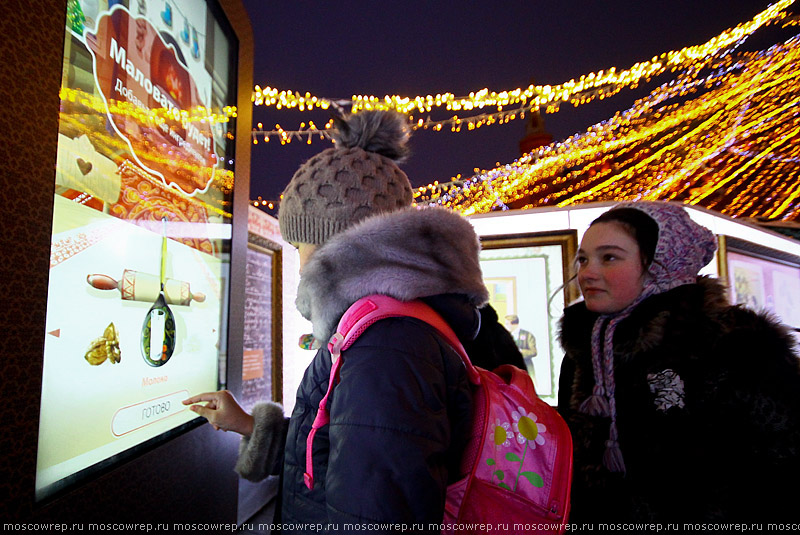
[
  {"x": 706, "y": 299},
  {"x": 408, "y": 254},
  {"x": 693, "y": 304}
]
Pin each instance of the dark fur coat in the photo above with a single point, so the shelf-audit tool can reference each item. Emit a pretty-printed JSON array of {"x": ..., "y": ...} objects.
[{"x": 708, "y": 412}]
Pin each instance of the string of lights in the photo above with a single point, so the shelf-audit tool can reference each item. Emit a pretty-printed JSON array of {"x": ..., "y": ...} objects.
[
  {"x": 588, "y": 87},
  {"x": 85, "y": 108},
  {"x": 153, "y": 116},
  {"x": 732, "y": 147}
]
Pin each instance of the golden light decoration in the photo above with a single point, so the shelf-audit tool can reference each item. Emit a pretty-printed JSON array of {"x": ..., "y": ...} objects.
[
  {"x": 154, "y": 116},
  {"x": 80, "y": 109},
  {"x": 733, "y": 147},
  {"x": 601, "y": 84},
  {"x": 264, "y": 203}
]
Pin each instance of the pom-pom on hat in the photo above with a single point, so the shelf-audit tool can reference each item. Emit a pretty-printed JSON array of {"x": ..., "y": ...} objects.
[{"x": 357, "y": 178}]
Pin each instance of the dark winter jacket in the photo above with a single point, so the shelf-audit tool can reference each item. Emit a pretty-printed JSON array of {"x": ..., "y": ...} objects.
[
  {"x": 400, "y": 413},
  {"x": 493, "y": 346},
  {"x": 708, "y": 412}
]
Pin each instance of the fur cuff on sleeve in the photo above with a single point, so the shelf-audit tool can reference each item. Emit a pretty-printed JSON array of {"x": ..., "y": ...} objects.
[{"x": 261, "y": 454}]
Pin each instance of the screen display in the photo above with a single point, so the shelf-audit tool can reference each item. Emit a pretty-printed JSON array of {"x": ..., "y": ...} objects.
[{"x": 139, "y": 262}]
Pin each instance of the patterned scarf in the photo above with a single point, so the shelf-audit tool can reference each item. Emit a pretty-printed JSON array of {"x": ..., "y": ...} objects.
[{"x": 682, "y": 250}]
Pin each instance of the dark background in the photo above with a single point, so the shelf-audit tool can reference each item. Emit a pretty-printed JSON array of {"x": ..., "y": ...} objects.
[{"x": 410, "y": 48}]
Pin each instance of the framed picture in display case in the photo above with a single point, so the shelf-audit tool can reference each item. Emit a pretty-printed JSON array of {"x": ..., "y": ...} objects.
[
  {"x": 262, "y": 376},
  {"x": 761, "y": 278},
  {"x": 527, "y": 277}
]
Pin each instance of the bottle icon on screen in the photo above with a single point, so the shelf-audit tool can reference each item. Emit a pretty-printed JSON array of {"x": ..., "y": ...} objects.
[{"x": 157, "y": 323}]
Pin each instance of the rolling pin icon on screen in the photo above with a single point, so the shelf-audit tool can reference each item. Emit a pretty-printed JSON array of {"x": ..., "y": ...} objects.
[{"x": 138, "y": 286}]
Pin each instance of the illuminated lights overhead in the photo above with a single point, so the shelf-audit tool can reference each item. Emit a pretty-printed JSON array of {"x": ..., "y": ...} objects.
[
  {"x": 264, "y": 203},
  {"x": 723, "y": 134},
  {"x": 88, "y": 107},
  {"x": 602, "y": 84},
  {"x": 727, "y": 139},
  {"x": 155, "y": 116}
]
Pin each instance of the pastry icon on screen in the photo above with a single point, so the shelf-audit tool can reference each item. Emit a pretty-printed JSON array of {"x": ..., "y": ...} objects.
[{"x": 105, "y": 348}]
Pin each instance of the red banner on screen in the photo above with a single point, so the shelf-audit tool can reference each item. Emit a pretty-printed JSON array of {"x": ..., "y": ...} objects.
[{"x": 153, "y": 102}]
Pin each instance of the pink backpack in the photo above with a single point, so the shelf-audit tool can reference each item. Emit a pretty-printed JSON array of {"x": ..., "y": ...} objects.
[{"x": 518, "y": 461}]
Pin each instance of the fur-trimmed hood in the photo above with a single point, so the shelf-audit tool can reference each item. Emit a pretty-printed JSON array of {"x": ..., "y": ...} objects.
[
  {"x": 408, "y": 254},
  {"x": 649, "y": 318},
  {"x": 702, "y": 386},
  {"x": 649, "y": 324}
]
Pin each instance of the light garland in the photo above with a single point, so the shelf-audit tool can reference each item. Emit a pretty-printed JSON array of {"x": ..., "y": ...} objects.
[
  {"x": 734, "y": 148},
  {"x": 602, "y": 84},
  {"x": 89, "y": 110},
  {"x": 153, "y": 116}
]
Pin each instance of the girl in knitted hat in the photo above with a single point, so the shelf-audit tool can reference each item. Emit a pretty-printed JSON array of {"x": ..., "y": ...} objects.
[
  {"x": 682, "y": 407},
  {"x": 399, "y": 415}
]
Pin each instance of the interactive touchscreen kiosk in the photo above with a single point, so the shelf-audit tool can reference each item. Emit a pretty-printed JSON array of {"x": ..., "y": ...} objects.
[{"x": 141, "y": 233}]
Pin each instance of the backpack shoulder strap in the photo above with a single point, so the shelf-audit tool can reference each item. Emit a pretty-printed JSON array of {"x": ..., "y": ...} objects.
[
  {"x": 353, "y": 323},
  {"x": 370, "y": 309}
]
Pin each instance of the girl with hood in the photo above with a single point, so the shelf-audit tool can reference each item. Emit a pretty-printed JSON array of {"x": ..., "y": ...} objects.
[
  {"x": 681, "y": 407},
  {"x": 400, "y": 413}
]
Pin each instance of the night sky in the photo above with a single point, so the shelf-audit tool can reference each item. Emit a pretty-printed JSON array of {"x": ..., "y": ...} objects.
[{"x": 338, "y": 49}]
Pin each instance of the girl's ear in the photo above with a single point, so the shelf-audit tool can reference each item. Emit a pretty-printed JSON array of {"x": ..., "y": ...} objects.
[{"x": 646, "y": 275}]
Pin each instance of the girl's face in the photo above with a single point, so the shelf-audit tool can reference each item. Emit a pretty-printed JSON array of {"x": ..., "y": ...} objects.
[{"x": 610, "y": 270}]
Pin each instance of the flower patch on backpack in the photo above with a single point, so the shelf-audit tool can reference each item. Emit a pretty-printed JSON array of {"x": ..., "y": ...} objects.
[{"x": 523, "y": 435}]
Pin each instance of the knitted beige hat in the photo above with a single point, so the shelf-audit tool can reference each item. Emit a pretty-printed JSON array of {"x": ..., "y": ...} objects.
[{"x": 357, "y": 178}]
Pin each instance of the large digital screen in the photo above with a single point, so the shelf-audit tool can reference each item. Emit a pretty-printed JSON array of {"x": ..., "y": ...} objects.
[{"x": 141, "y": 232}]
